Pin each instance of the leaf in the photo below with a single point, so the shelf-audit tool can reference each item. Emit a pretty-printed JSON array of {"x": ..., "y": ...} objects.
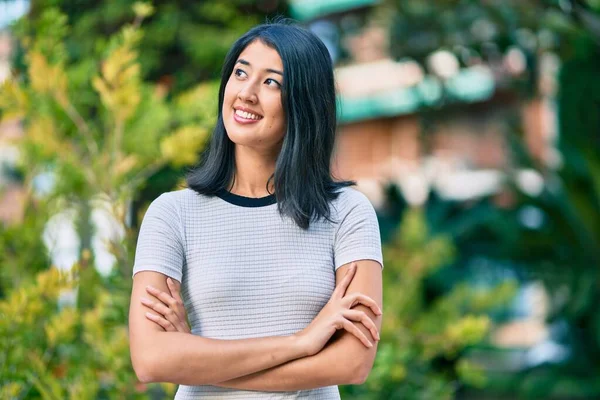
[
  {"x": 42, "y": 380},
  {"x": 11, "y": 390},
  {"x": 46, "y": 78},
  {"x": 13, "y": 100},
  {"x": 471, "y": 373},
  {"x": 61, "y": 327},
  {"x": 143, "y": 10},
  {"x": 126, "y": 165},
  {"x": 182, "y": 147},
  {"x": 41, "y": 132}
]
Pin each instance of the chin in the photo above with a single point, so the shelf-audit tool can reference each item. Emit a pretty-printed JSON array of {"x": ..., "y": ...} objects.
[{"x": 241, "y": 138}]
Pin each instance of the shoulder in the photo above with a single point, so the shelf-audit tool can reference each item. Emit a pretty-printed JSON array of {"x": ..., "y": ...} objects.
[
  {"x": 351, "y": 206},
  {"x": 168, "y": 200},
  {"x": 175, "y": 202},
  {"x": 178, "y": 199},
  {"x": 350, "y": 198}
]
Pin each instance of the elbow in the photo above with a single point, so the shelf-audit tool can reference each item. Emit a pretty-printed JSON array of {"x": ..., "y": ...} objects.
[
  {"x": 359, "y": 376},
  {"x": 147, "y": 360},
  {"x": 143, "y": 372},
  {"x": 361, "y": 370},
  {"x": 143, "y": 376},
  {"x": 144, "y": 369}
]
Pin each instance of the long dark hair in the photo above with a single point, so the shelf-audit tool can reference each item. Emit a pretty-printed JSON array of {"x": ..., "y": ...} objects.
[{"x": 303, "y": 183}]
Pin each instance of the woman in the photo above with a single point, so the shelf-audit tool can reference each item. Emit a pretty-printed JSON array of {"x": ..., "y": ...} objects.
[{"x": 280, "y": 266}]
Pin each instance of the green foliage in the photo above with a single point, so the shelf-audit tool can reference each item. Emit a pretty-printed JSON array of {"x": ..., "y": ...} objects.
[
  {"x": 184, "y": 42},
  {"x": 21, "y": 246},
  {"x": 107, "y": 136},
  {"x": 50, "y": 349},
  {"x": 564, "y": 252},
  {"x": 100, "y": 130},
  {"x": 423, "y": 353}
]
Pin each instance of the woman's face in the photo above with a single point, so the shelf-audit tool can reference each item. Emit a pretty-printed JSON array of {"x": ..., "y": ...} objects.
[{"x": 252, "y": 111}]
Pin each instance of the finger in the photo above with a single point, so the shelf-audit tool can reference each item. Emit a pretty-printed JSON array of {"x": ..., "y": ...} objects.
[
  {"x": 359, "y": 298},
  {"x": 350, "y": 327},
  {"x": 171, "y": 303},
  {"x": 175, "y": 288},
  {"x": 162, "y": 296},
  {"x": 166, "y": 325},
  {"x": 340, "y": 290},
  {"x": 166, "y": 312},
  {"x": 362, "y": 317}
]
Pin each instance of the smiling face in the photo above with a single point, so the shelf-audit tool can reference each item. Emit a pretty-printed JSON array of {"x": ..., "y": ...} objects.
[{"x": 252, "y": 109}]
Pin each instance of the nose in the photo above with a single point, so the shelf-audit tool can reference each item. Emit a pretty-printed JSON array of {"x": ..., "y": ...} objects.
[{"x": 248, "y": 94}]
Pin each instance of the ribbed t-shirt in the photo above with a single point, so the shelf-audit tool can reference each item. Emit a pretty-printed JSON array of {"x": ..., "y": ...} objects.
[{"x": 248, "y": 272}]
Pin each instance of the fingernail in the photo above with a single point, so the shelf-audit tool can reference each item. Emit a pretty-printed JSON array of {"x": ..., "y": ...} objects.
[
  {"x": 370, "y": 344},
  {"x": 150, "y": 287},
  {"x": 145, "y": 300},
  {"x": 149, "y": 315}
]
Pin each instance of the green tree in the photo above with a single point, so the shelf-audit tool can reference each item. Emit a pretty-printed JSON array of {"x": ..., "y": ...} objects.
[
  {"x": 423, "y": 353},
  {"x": 100, "y": 131},
  {"x": 184, "y": 42},
  {"x": 54, "y": 351},
  {"x": 563, "y": 251}
]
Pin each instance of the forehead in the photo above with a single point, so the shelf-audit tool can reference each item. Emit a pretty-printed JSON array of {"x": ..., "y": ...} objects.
[{"x": 261, "y": 56}]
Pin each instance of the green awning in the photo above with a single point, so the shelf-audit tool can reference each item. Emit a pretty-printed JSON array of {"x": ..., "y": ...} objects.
[
  {"x": 469, "y": 85},
  {"x": 305, "y": 10}
]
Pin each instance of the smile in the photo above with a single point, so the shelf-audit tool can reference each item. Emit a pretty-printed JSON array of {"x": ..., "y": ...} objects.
[{"x": 245, "y": 117}]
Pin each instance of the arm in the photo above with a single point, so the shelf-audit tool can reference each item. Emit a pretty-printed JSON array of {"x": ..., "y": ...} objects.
[
  {"x": 159, "y": 350},
  {"x": 159, "y": 356},
  {"x": 343, "y": 361}
]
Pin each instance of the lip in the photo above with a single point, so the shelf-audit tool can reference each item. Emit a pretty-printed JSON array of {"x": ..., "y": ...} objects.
[{"x": 242, "y": 120}]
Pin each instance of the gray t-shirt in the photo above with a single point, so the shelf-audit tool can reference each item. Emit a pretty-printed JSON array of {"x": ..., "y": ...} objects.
[{"x": 247, "y": 272}]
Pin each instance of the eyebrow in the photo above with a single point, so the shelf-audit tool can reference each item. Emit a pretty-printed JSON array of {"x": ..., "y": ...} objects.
[{"x": 242, "y": 61}]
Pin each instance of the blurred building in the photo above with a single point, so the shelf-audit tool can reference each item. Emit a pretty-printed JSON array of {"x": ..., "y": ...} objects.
[{"x": 442, "y": 123}]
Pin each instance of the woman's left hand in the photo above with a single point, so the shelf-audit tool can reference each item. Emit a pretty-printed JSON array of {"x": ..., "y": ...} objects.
[{"x": 171, "y": 312}]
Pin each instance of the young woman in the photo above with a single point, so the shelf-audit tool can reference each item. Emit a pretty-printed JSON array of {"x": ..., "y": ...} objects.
[{"x": 278, "y": 265}]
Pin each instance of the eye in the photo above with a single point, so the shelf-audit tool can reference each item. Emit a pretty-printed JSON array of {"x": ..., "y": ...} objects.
[
  {"x": 272, "y": 82},
  {"x": 239, "y": 72}
]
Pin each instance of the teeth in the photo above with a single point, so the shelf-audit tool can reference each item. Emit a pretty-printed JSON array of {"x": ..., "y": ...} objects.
[{"x": 246, "y": 115}]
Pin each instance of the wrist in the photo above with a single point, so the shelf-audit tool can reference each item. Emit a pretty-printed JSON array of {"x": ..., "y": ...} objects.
[{"x": 297, "y": 344}]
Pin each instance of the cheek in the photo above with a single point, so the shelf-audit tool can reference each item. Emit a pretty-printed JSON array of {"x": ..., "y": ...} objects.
[
  {"x": 228, "y": 96},
  {"x": 276, "y": 114},
  {"x": 277, "y": 123}
]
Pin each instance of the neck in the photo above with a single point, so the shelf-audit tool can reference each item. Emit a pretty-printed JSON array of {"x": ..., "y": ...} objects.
[{"x": 252, "y": 171}]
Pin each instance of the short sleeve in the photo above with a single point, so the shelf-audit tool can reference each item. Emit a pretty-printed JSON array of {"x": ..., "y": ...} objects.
[
  {"x": 357, "y": 236},
  {"x": 160, "y": 243}
]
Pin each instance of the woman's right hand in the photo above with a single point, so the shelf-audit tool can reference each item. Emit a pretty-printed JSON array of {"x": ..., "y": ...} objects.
[{"x": 338, "y": 314}]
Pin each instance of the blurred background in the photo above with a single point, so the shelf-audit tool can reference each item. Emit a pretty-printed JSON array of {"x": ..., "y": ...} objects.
[{"x": 472, "y": 126}]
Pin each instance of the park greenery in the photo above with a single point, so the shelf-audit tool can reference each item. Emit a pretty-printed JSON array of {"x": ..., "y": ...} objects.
[
  {"x": 563, "y": 251},
  {"x": 100, "y": 131},
  {"x": 110, "y": 97}
]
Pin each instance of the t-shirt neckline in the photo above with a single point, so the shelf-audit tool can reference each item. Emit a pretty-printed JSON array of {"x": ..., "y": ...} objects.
[{"x": 243, "y": 201}]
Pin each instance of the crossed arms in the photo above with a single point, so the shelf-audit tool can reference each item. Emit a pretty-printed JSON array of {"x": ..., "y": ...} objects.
[{"x": 265, "y": 364}]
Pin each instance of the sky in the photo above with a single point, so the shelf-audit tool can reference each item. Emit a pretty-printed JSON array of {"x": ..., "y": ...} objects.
[{"x": 11, "y": 10}]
